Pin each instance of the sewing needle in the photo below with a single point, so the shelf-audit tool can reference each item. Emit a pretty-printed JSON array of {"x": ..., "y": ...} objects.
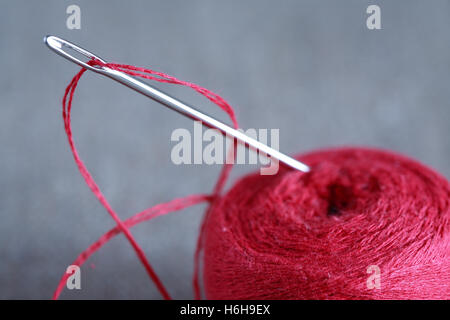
[{"x": 57, "y": 44}]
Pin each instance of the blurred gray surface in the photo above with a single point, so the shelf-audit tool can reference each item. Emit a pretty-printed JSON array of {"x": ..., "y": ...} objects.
[{"x": 310, "y": 68}]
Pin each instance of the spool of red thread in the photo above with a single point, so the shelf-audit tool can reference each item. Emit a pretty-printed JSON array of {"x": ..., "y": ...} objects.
[{"x": 317, "y": 235}]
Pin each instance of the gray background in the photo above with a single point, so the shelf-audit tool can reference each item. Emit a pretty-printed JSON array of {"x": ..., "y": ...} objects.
[{"x": 310, "y": 68}]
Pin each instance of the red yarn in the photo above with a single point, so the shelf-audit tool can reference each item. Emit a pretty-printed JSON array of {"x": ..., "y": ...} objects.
[
  {"x": 313, "y": 236},
  {"x": 306, "y": 236}
]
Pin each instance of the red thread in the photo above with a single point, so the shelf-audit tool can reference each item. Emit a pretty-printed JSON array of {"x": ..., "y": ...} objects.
[
  {"x": 176, "y": 204},
  {"x": 306, "y": 236}
]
